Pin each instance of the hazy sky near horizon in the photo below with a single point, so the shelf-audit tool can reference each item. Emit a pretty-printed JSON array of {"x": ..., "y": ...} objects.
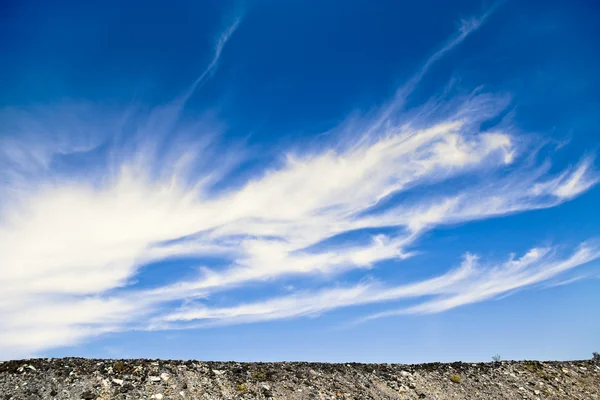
[{"x": 359, "y": 181}]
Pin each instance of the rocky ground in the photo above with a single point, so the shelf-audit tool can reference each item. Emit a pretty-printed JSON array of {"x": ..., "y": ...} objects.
[{"x": 78, "y": 378}]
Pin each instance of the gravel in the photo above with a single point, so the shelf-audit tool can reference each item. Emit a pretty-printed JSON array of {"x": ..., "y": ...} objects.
[{"x": 91, "y": 379}]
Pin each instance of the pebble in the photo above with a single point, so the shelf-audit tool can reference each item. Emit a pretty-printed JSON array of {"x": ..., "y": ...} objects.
[{"x": 298, "y": 380}]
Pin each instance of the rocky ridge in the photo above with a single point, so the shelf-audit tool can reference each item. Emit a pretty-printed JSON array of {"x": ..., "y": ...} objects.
[{"x": 91, "y": 379}]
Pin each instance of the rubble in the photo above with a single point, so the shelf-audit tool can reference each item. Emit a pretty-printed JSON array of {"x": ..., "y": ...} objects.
[{"x": 78, "y": 378}]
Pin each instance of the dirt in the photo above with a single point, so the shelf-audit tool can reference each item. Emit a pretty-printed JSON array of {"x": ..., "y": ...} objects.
[{"x": 92, "y": 379}]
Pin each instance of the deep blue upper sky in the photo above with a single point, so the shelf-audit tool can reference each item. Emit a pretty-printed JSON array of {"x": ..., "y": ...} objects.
[{"x": 367, "y": 181}]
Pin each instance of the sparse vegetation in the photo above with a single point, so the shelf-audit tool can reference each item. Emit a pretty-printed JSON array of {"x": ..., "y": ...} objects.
[
  {"x": 455, "y": 378},
  {"x": 596, "y": 356},
  {"x": 532, "y": 366},
  {"x": 260, "y": 375},
  {"x": 119, "y": 367},
  {"x": 496, "y": 358},
  {"x": 242, "y": 388}
]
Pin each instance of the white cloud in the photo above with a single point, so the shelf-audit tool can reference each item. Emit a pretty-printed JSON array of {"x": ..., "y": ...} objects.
[
  {"x": 220, "y": 45},
  {"x": 470, "y": 283},
  {"x": 75, "y": 239}
]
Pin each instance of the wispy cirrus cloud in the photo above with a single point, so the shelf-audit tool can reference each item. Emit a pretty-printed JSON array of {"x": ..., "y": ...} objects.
[
  {"x": 473, "y": 281},
  {"x": 219, "y": 46},
  {"x": 84, "y": 215}
]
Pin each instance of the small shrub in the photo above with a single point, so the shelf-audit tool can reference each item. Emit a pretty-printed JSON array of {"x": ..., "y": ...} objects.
[
  {"x": 242, "y": 388},
  {"x": 596, "y": 356},
  {"x": 496, "y": 358},
  {"x": 532, "y": 366},
  {"x": 119, "y": 366},
  {"x": 260, "y": 375},
  {"x": 455, "y": 378}
]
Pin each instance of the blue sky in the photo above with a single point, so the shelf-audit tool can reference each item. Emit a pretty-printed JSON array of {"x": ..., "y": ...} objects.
[{"x": 373, "y": 181}]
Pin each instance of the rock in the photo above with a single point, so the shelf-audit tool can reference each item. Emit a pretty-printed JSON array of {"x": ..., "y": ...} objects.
[
  {"x": 127, "y": 388},
  {"x": 88, "y": 395},
  {"x": 295, "y": 381},
  {"x": 25, "y": 366}
]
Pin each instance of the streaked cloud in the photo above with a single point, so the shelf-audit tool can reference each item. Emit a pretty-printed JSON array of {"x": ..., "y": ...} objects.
[
  {"x": 87, "y": 208},
  {"x": 471, "y": 282}
]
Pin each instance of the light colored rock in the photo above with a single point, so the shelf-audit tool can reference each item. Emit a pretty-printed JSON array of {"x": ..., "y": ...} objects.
[
  {"x": 165, "y": 377},
  {"x": 118, "y": 381},
  {"x": 157, "y": 396},
  {"x": 154, "y": 378}
]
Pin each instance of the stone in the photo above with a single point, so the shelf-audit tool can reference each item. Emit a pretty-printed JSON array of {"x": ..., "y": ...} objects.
[
  {"x": 88, "y": 395},
  {"x": 511, "y": 380},
  {"x": 127, "y": 388}
]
